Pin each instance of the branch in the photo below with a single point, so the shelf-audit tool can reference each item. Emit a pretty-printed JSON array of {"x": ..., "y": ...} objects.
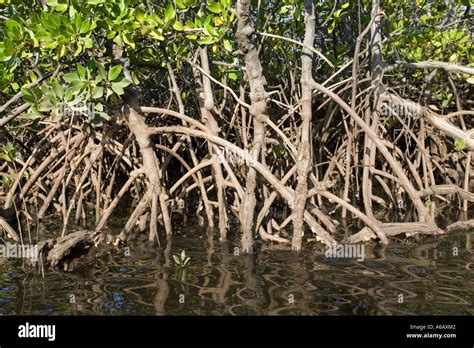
[
  {"x": 10, "y": 231},
  {"x": 286, "y": 192},
  {"x": 404, "y": 181},
  {"x": 438, "y": 121},
  {"x": 300, "y": 44},
  {"x": 237, "y": 99},
  {"x": 448, "y": 190},
  {"x": 14, "y": 114},
  {"x": 19, "y": 110},
  {"x": 432, "y": 65}
]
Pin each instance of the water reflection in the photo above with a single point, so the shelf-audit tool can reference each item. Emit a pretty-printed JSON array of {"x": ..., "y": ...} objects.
[{"x": 432, "y": 275}]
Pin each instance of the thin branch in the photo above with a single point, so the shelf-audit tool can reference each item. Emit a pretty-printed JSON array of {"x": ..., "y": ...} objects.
[
  {"x": 300, "y": 44},
  {"x": 432, "y": 65}
]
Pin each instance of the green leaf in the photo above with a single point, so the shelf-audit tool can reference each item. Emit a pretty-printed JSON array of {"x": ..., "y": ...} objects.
[
  {"x": 9, "y": 148},
  {"x": 33, "y": 114},
  {"x": 97, "y": 92},
  {"x": 178, "y": 26},
  {"x": 76, "y": 86},
  {"x": 46, "y": 105},
  {"x": 117, "y": 89},
  {"x": 459, "y": 144},
  {"x": 332, "y": 27},
  {"x": 122, "y": 83},
  {"x": 5, "y": 55},
  {"x": 118, "y": 39},
  {"x": 88, "y": 43},
  {"x": 176, "y": 259},
  {"x": 285, "y": 9},
  {"x": 190, "y": 24},
  {"x": 32, "y": 76},
  {"x": 207, "y": 20},
  {"x": 58, "y": 89},
  {"x": 109, "y": 93},
  {"x": 214, "y": 7},
  {"x": 156, "y": 34},
  {"x": 114, "y": 72},
  {"x": 135, "y": 78},
  {"x": 78, "y": 22},
  {"x": 81, "y": 71},
  {"x": 60, "y": 7},
  {"x": 102, "y": 117},
  {"x": 5, "y": 157},
  {"x": 232, "y": 75},
  {"x": 127, "y": 38},
  {"x": 470, "y": 80},
  {"x": 85, "y": 26},
  {"x": 210, "y": 29},
  {"x": 71, "y": 77},
  {"x": 6, "y": 181},
  {"x": 228, "y": 45},
  {"x": 206, "y": 41},
  {"x": 14, "y": 27},
  {"x": 102, "y": 72},
  {"x": 169, "y": 13},
  {"x": 28, "y": 95},
  {"x": 78, "y": 50}
]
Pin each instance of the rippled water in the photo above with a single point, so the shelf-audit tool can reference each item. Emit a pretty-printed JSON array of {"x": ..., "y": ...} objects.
[{"x": 425, "y": 275}]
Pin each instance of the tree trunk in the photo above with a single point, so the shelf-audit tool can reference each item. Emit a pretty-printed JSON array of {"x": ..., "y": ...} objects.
[
  {"x": 245, "y": 39},
  {"x": 206, "y": 104},
  {"x": 138, "y": 127},
  {"x": 304, "y": 151},
  {"x": 371, "y": 116}
]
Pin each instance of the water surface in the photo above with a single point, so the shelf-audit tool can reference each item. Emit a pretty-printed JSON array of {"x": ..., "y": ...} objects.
[{"x": 427, "y": 275}]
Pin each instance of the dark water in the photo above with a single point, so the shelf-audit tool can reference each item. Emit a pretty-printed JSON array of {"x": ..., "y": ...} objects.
[{"x": 409, "y": 277}]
